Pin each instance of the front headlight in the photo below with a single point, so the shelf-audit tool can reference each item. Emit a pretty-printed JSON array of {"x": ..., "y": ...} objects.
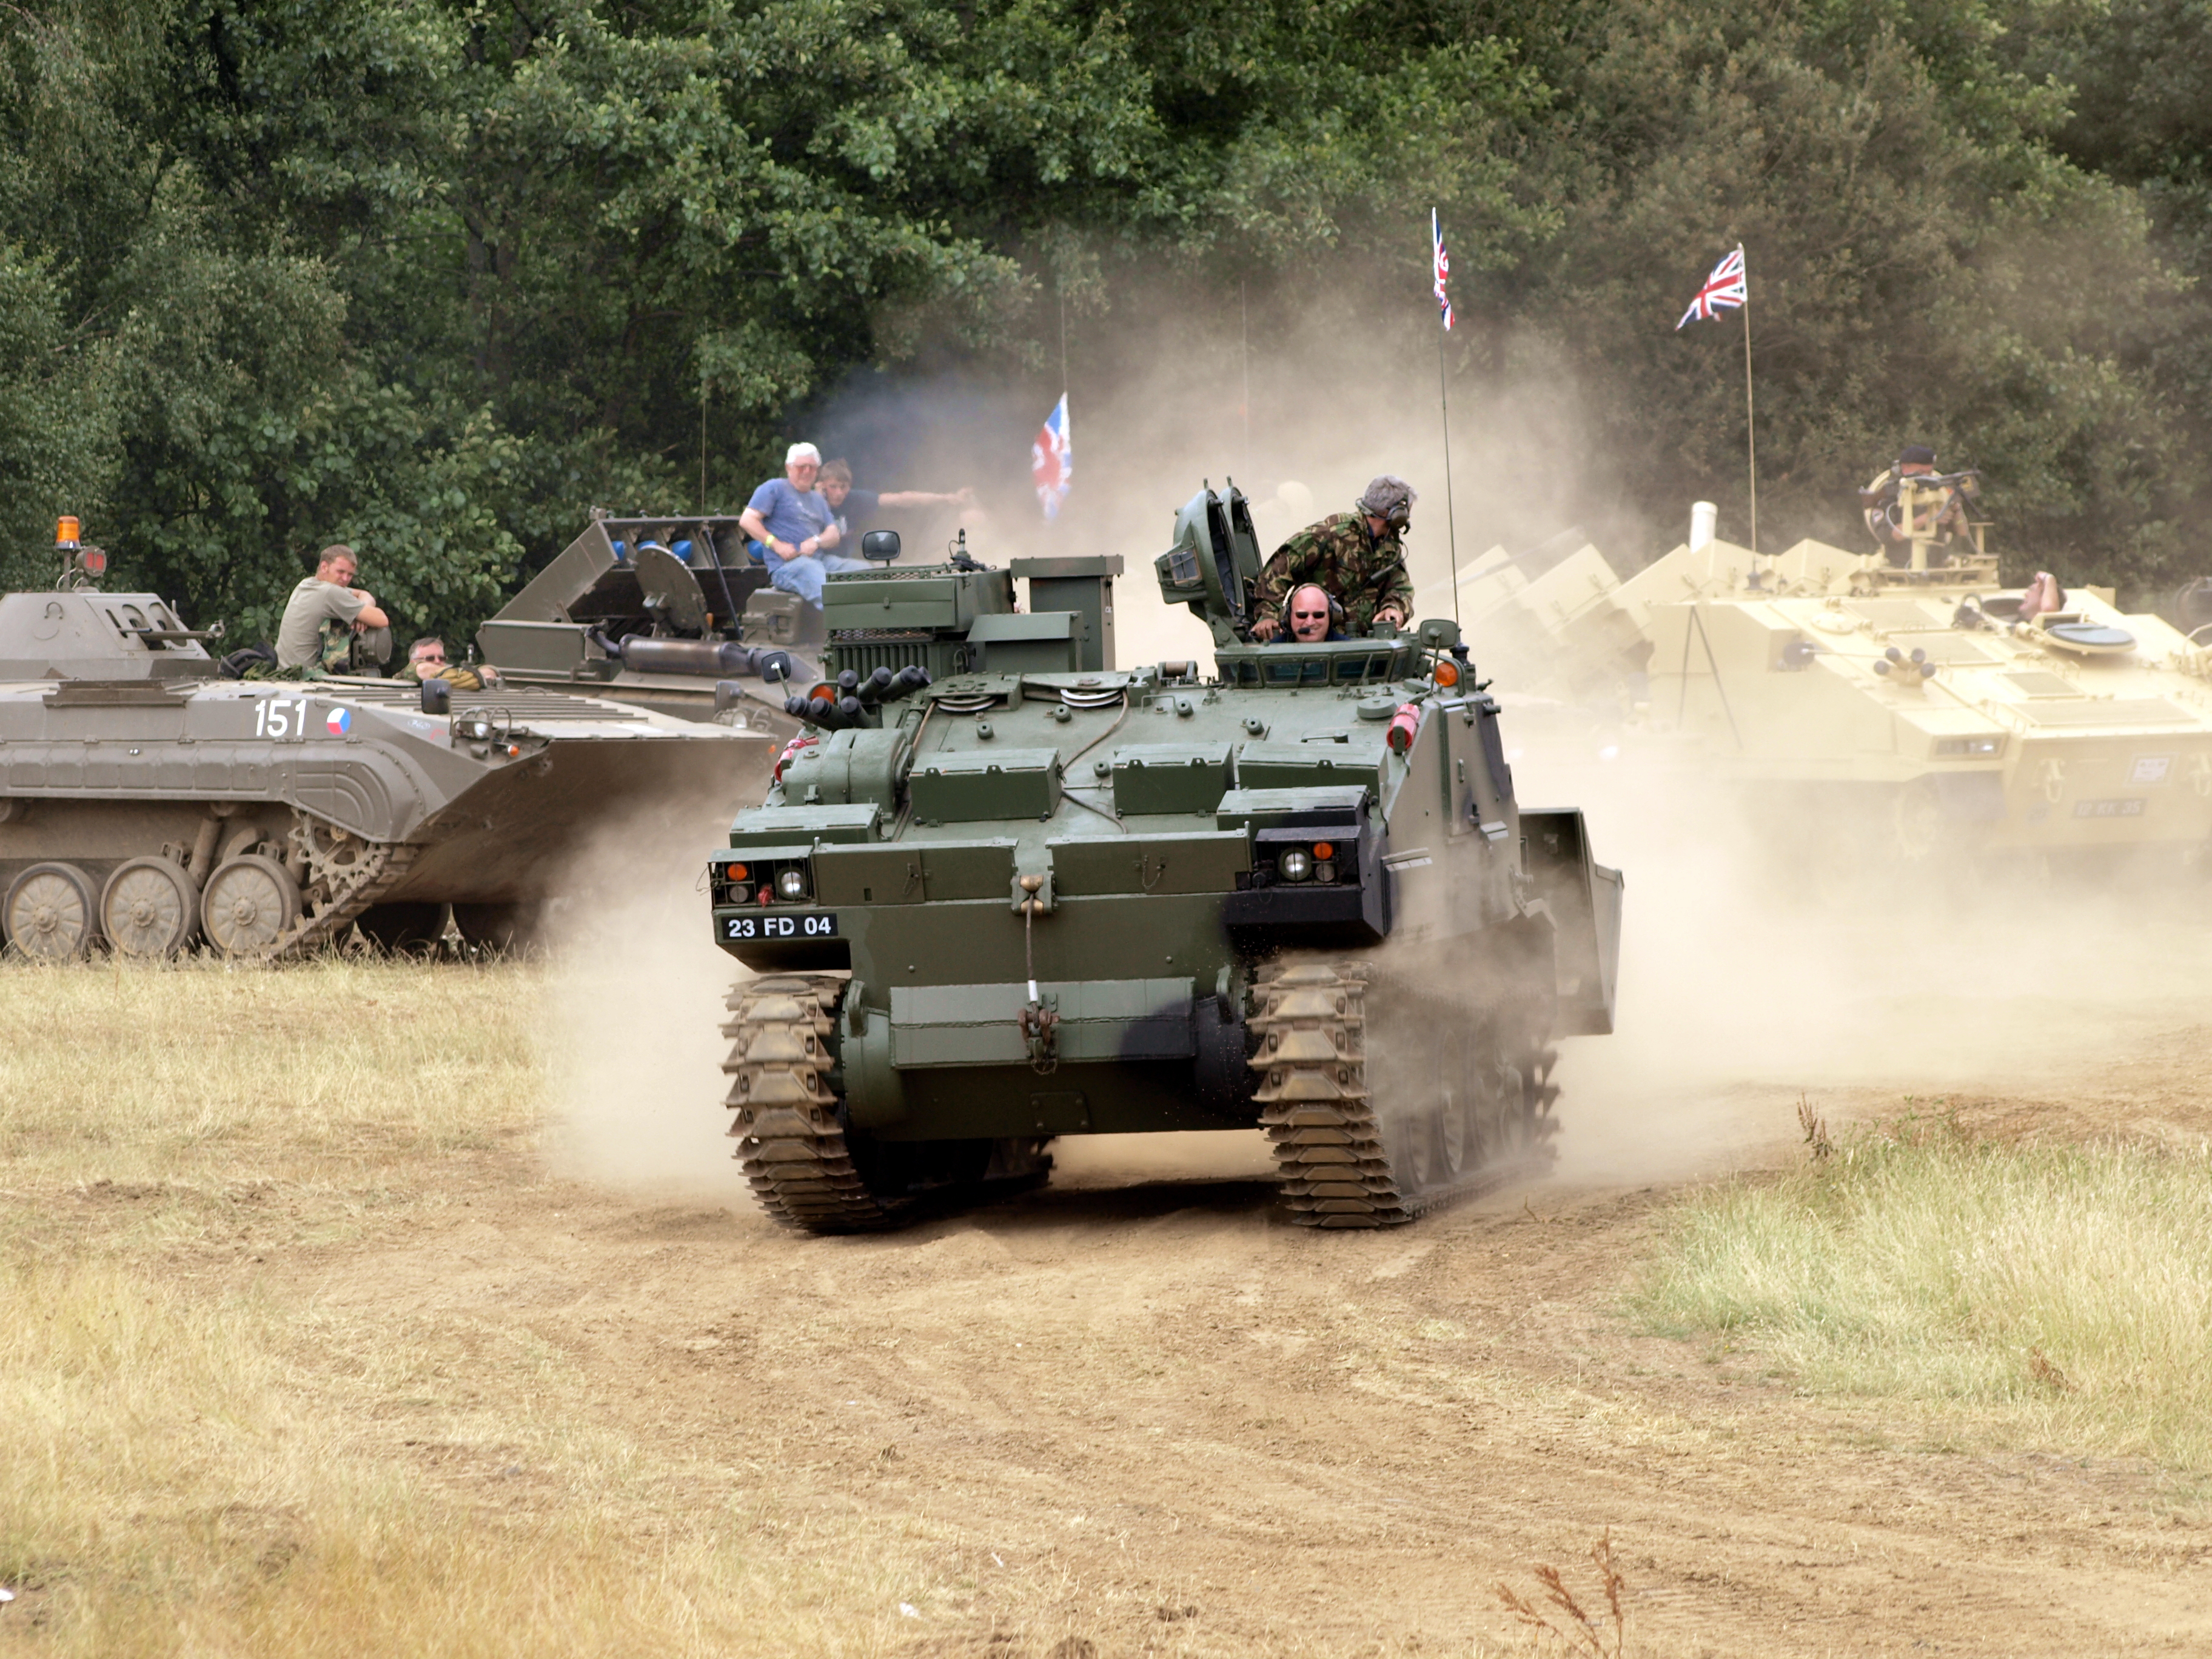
[
  {"x": 1296, "y": 865},
  {"x": 791, "y": 885}
]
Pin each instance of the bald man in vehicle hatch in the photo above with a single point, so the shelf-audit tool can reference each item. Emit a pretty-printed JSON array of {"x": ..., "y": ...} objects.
[
  {"x": 1359, "y": 556},
  {"x": 329, "y": 622}
]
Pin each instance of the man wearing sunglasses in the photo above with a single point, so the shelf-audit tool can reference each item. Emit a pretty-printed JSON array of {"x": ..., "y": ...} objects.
[
  {"x": 1313, "y": 616},
  {"x": 426, "y": 660}
]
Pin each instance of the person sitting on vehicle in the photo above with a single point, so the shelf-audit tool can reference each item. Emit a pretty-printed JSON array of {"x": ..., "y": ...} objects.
[
  {"x": 330, "y": 626},
  {"x": 2043, "y": 597},
  {"x": 855, "y": 510},
  {"x": 1879, "y": 503},
  {"x": 1312, "y": 615},
  {"x": 426, "y": 660},
  {"x": 792, "y": 528}
]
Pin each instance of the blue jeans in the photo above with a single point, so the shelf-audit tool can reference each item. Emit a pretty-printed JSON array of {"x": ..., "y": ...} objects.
[{"x": 803, "y": 575}]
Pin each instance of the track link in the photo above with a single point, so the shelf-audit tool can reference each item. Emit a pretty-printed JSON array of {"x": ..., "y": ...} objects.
[
  {"x": 790, "y": 1143},
  {"x": 1336, "y": 1162}
]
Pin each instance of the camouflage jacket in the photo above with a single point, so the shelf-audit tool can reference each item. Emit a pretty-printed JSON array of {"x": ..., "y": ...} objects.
[
  {"x": 335, "y": 655},
  {"x": 1361, "y": 570},
  {"x": 459, "y": 675}
]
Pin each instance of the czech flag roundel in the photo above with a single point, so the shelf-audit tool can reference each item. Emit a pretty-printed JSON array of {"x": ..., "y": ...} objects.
[{"x": 340, "y": 720}]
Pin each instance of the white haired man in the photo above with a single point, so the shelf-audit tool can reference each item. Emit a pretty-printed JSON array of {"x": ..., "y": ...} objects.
[{"x": 793, "y": 529}]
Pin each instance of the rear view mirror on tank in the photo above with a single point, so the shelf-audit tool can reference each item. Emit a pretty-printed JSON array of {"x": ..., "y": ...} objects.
[
  {"x": 881, "y": 545},
  {"x": 437, "y": 697}
]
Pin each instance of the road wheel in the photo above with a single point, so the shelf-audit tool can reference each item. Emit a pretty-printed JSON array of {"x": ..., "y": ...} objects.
[
  {"x": 249, "y": 905},
  {"x": 48, "y": 913},
  {"x": 1456, "y": 1136},
  {"x": 1918, "y": 826},
  {"x": 150, "y": 909}
]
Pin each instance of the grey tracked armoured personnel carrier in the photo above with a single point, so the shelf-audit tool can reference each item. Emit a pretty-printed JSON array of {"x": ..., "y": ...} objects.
[
  {"x": 146, "y": 802},
  {"x": 1004, "y": 891}
]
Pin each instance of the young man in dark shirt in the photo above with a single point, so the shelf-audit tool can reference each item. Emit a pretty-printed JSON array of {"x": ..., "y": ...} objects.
[{"x": 855, "y": 510}]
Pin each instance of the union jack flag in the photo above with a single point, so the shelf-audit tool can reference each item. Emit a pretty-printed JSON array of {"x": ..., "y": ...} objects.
[
  {"x": 1052, "y": 460},
  {"x": 1724, "y": 290},
  {"x": 1444, "y": 270}
]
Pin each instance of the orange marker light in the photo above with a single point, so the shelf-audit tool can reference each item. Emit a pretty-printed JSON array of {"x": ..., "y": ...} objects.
[
  {"x": 1447, "y": 673},
  {"x": 65, "y": 532},
  {"x": 1324, "y": 850},
  {"x": 738, "y": 872}
]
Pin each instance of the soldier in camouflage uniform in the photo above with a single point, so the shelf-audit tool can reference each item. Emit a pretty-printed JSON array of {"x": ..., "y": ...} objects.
[
  {"x": 1357, "y": 557},
  {"x": 426, "y": 660}
]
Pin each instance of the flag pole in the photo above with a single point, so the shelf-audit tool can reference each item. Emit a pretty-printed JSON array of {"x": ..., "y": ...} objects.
[
  {"x": 1750, "y": 426},
  {"x": 1443, "y": 410},
  {"x": 1244, "y": 349},
  {"x": 1451, "y": 517}
]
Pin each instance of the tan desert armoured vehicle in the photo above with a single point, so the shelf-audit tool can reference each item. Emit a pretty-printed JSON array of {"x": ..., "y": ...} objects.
[{"x": 1909, "y": 703}]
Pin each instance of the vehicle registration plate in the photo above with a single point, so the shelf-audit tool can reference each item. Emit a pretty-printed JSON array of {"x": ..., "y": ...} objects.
[
  {"x": 790, "y": 924},
  {"x": 2130, "y": 808}
]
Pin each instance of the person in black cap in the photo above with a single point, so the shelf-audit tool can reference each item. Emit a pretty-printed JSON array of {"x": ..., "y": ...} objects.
[{"x": 1879, "y": 502}]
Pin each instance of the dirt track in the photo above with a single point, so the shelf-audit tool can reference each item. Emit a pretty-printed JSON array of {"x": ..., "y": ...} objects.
[
  {"x": 1151, "y": 1417},
  {"x": 1135, "y": 1410}
]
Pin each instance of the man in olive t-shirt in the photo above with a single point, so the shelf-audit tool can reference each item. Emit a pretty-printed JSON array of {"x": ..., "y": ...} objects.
[{"x": 329, "y": 596}]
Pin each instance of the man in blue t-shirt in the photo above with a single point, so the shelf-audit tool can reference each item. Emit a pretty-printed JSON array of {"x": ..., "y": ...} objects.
[{"x": 791, "y": 528}]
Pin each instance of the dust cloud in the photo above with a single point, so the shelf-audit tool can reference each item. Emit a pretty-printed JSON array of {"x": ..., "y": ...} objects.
[
  {"x": 1343, "y": 386},
  {"x": 633, "y": 1002},
  {"x": 1750, "y": 975}
]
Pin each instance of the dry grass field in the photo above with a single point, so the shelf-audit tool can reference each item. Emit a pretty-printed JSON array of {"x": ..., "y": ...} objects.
[{"x": 310, "y": 1350}]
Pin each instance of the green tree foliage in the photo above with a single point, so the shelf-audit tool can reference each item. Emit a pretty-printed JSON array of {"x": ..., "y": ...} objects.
[
  {"x": 1923, "y": 267},
  {"x": 431, "y": 275}
]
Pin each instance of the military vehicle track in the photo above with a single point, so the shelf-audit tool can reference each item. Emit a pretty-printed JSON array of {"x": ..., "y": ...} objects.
[
  {"x": 790, "y": 1143},
  {"x": 792, "y": 1140},
  {"x": 1341, "y": 1164}
]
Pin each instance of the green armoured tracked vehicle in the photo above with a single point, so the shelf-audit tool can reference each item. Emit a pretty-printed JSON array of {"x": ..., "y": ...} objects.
[{"x": 1005, "y": 890}]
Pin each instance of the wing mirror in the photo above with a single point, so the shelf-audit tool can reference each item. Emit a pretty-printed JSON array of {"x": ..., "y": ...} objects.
[{"x": 880, "y": 546}]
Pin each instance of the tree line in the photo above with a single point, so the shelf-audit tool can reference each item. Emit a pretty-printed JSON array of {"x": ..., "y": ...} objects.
[{"x": 433, "y": 275}]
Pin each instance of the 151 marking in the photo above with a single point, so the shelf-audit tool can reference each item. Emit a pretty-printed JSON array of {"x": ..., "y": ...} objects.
[{"x": 280, "y": 717}]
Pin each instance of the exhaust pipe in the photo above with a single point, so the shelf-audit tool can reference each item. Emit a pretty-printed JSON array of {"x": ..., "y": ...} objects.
[
  {"x": 1705, "y": 519},
  {"x": 713, "y": 659}
]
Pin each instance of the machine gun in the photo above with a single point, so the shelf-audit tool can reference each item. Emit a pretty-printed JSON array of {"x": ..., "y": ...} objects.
[{"x": 1925, "y": 508}]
